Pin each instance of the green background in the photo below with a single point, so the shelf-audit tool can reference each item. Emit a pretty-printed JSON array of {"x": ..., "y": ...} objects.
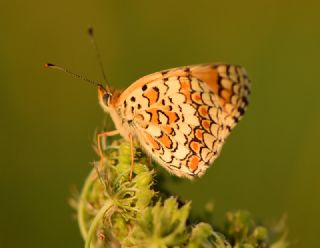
[{"x": 270, "y": 163}]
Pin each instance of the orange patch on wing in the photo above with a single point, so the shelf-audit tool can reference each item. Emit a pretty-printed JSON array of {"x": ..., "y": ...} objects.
[
  {"x": 152, "y": 95},
  {"x": 195, "y": 146},
  {"x": 193, "y": 163},
  {"x": 167, "y": 129},
  {"x": 199, "y": 134},
  {"x": 154, "y": 116},
  {"x": 222, "y": 101},
  {"x": 187, "y": 96},
  {"x": 203, "y": 110},
  {"x": 206, "y": 125},
  {"x": 172, "y": 116},
  {"x": 196, "y": 97},
  {"x": 166, "y": 141},
  {"x": 153, "y": 142},
  {"x": 226, "y": 94},
  {"x": 185, "y": 84},
  {"x": 208, "y": 75}
]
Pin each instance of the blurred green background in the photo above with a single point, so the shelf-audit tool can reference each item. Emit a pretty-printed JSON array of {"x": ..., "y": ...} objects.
[{"x": 270, "y": 164}]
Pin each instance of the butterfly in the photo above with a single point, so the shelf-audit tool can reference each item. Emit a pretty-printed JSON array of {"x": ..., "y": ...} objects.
[{"x": 181, "y": 117}]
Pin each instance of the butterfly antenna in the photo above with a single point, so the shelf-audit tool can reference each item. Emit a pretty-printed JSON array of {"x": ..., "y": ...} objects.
[
  {"x": 52, "y": 66},
  {"x": 93, "y": 41}
]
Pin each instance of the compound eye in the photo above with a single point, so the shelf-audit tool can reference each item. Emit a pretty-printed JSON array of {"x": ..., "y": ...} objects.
[{"x": 106, "y": 98}]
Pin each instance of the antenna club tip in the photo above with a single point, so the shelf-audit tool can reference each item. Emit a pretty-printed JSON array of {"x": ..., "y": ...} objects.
[
  {"x": 48, "y": 65},
  {"x": 90, "y": 31}
]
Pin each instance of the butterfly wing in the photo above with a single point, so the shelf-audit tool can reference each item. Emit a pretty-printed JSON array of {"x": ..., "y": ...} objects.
[
  {"x": 230, "y": 83},
  {"x": 182, "y": 116}
]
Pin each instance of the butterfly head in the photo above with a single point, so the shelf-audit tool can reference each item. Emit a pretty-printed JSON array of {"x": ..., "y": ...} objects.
[{"x": 105, "y": 97}]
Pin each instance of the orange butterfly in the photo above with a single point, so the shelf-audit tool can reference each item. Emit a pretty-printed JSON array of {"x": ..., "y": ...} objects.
[{"x": 182, "y": 116}]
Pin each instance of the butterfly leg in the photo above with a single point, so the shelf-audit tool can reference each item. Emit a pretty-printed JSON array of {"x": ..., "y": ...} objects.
[
  {"x": 99, "y": 136},
  {"x": 132, "y": 156}
]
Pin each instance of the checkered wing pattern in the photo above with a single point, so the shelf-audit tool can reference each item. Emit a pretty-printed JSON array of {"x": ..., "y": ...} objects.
[
  {"x": 182, "y": 116},
  {"x": 230, "y": 83}
]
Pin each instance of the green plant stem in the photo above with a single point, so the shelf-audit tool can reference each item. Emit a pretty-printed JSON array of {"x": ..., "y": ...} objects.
[
  {"x": 107, "y": 205},
  {"x": 82, "y": 207}
]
